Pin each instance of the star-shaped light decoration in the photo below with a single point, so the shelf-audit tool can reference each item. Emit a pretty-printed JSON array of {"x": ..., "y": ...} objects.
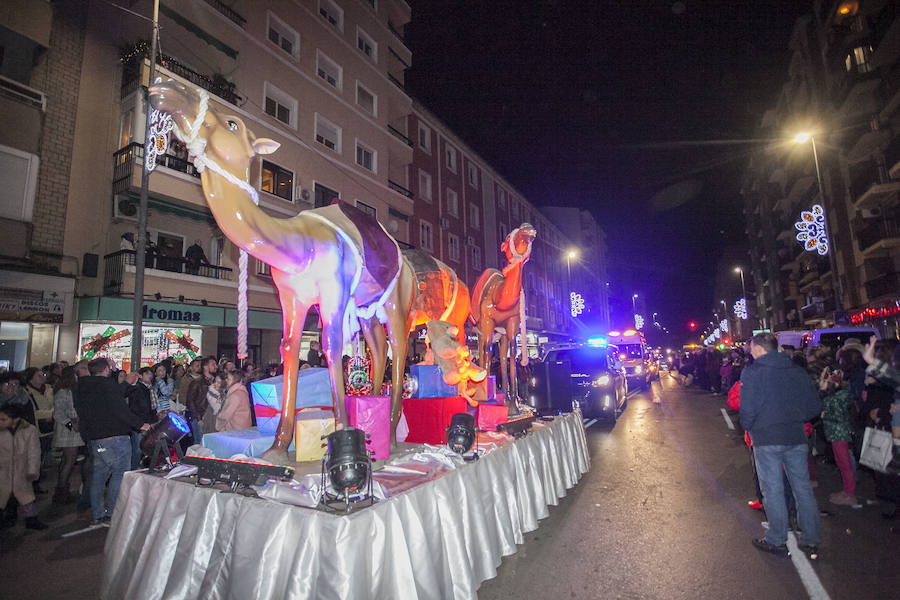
[
  {"x": 811, "y": 230},
  {"x": 740, "y": 309}
]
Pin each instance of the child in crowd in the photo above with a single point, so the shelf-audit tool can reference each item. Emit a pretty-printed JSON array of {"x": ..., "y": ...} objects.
[{"x": 836, "y": 419}]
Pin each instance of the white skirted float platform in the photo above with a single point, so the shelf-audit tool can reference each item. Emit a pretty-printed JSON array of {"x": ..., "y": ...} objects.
[{"x": 441, "y": 529}]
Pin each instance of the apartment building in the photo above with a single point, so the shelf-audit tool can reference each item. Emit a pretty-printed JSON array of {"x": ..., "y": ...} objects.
[{"x": 843, "y": 86}]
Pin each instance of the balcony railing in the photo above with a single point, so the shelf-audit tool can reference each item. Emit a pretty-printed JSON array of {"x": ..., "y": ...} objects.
[
  {"x": 396, "y": 32},
  {"x": 125, "y": 160},
  {"x": 134, "y": 61},
  {"x": 396, "y": 82},
  {"x": 227, "y": 11},
  {"x": 399, "y": 188},
  {"x": 815, "y": 310},
  {"x": 400, "y": 135},
  {"x": 116, "y": 265},
  {"x": 882, "y": 286},
  {"x": 876, "y": 231}
]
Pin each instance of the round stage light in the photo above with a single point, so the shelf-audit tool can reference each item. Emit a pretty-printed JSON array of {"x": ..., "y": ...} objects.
[
  {"x": 162, "y": 437},
  {"x": 348, "y": 461},
  {"x": 461, "y": 433}
]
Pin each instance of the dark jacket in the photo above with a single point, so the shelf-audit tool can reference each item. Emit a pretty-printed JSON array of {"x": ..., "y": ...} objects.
[
  {"x": 102, "y": 410},
  {"x": 196, "y": 397},
  {"x": 777, "y": 398},
  {"x": 140, "y": 401}
]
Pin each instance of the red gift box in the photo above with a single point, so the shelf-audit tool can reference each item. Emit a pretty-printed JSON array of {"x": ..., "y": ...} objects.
[
  {"x": 429, "y": 418},
  {"x": 490, "y": 415},
  {"x": 372, "y": 414}
]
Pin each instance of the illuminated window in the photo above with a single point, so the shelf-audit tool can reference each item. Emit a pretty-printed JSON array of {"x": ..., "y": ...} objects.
[
  {"x": 328, "y": 70},
  {"x": 283, "y": 36},
  {"x": 277, "y": 181}
]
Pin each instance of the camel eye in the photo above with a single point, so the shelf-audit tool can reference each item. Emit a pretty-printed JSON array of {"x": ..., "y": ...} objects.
[{"x": 232, "y": 125}]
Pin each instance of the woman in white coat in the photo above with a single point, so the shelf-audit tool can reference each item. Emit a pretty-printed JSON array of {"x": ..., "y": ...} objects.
[
  {"x": 235, "y": 411},
  {"x": 20, "y": 464}
]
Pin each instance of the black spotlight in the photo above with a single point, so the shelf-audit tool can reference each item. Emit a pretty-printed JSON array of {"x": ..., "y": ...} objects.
[
  {"x": 349, "y": 468},
  {"x": 161, "y": 438},
  {"x": 158, "y": 296},
  {"x": 181, "y": 297},
  {"x": 204, "y": 302},
  {"x": 461, "y": 434}
]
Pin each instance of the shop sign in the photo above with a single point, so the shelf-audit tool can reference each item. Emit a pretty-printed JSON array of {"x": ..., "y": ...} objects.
[
  {"x": 31, "y": 305},
  {"x": 869, "y": 314},
  {"x": 121, "y": 310},
  {"x": 180, "y": 344}
]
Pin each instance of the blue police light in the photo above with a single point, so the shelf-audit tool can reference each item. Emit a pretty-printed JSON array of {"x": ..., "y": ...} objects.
[{"x": 597, "y": 341}]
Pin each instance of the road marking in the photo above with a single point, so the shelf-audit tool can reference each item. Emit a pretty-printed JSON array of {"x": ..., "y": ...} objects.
[
  {"x": 727, "y": 419},
  {"x": 589, "y": 423},
  {"x": 808, "y": 576}
]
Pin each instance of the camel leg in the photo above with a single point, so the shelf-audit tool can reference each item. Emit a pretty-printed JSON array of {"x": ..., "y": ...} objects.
[
  {"x": 293, "y": 317},
  {"x": 399, "y": 340},
  {"x": 513, "y": 326},
  {"x": 374, "y": 334},
  {"x": 504, "y": 368}
]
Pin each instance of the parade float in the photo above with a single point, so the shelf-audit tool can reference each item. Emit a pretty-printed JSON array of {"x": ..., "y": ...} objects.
[{"x": 441, "y": 504}]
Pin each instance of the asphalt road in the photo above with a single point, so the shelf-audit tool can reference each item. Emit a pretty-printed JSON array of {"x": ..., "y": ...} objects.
[{"x": 662, "y": 514}]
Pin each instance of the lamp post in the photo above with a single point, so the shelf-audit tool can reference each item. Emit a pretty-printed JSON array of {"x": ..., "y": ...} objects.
[
  {"x": 802, "y": 138},
  {"x": 569, "y": 256}
]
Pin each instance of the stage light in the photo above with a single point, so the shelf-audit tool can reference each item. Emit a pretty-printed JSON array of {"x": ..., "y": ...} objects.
[
  {"x": 630, "y": 333},
  {"x": 349, "y": 467},
  {"x": 158, "y": 296},
  {"x": 615, "y": 333},
  {"x": 181, "y": 297},
  {"x": 204, "y": 302},
  {"x": 461, "y": 433},
  {"x": 161, "y": 438}
]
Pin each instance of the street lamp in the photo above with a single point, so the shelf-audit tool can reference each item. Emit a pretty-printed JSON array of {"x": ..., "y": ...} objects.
[
  {"x": 743, "y": 289},
  {"x": 569, "y": 256},
  {"x": 802, "y": 138}
]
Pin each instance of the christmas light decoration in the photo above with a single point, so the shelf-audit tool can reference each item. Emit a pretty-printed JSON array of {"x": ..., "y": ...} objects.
[
  {"x": 811, "y": 230},
  {"x": 160, "y": 125},
  {"x": 359, "y": 375},
  {"x": 723, "y": 325},
  {"x": 740, "y": 309},
  {"x": 577, "y": 303},
  {"x": 638, "y": 322}
]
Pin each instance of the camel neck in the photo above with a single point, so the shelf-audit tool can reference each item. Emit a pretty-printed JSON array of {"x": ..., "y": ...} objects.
[{"x": 511, "y": 288}]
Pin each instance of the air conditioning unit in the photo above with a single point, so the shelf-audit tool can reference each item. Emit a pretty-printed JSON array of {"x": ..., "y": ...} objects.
[
  {"x": 445, "y": 223},
  {"x": 305, "y": 194},
  {"x": 125, "y": 207},
  {"x": 871, "y": 213}
]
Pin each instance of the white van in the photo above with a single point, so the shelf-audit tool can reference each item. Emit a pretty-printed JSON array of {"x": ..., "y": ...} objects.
[
  {"x": 791, "y": 337},
  {"x": 835, "y": 337}
]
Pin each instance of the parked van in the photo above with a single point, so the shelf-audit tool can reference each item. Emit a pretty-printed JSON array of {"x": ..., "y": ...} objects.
[
  {"x": 835, "y": 337},
  {"x": 791, "y": 337}
]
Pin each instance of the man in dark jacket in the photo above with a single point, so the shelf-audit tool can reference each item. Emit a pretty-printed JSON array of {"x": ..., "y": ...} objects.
[
  {"x": 777, "y": 398},
  {"x": 141, "y": 402},
  {"x": 196, "y": 396},
  {"x": 106, "y": 423}
]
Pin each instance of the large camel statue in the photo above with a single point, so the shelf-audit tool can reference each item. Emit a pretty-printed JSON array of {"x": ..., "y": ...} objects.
[
  {"x": 335, "y": 257},
  {"x": 497, "y": 300}
]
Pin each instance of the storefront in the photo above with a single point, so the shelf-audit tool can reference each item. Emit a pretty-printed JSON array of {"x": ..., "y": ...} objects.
[
  {"x": 885, "y": 316},
  {"x": 32, "y": 309}
]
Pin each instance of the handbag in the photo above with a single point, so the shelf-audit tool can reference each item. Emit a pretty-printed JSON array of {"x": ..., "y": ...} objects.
[{"x": 877, "y": 449}]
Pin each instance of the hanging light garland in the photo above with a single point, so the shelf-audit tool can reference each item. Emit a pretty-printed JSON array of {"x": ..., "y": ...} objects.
[
  {"x": 740, "y": 309},
  {"x": 811, "y": 230},
  {"x": 723, "y": 325},
  {"x": 576, "y": 303},
  {"x": 638, "y": 322}
]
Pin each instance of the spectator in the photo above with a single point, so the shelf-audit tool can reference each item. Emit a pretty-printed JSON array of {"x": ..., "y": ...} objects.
[
  {"x": 214, "y": 397},
  {"x": 889, "y": 375},
  {"x": 65, "y": 436},
  {"x": 142, "y": 402},
  {"x": 194, "y": 257},
  {"x": 226, "y": 364},
  {"x": 193, "y": 372},
  {"x": 879, "y": 395},
  {"x": 41, "y": 396},
  {"x": 11, "y": 392},
  {"x": 235, "y": 412},
  {"x": 196, "y": 397},
  {"x": 20, "y": 463},
  {"x": 177, "y": 373},
  {"x": 127, "y": 241},
  {"x": 164, "y": 386},
  {"x": 314, "y": 356},
  {"x": 777, "y": 398},
  {"x": 836, "y": 419},
  {"x": 107, "y": 423}
]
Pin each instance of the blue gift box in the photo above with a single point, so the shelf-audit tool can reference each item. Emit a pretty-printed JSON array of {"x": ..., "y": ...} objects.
[
  {"x": 430, "y": 382},
  {"x": 313, "y": 389}
]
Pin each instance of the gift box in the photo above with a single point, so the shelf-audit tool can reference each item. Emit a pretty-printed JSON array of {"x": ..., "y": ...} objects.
[
  {"x": 485, "y": 390},
  {"x": 372, "y": 414},
  {"x": 313, "y": 390},
  {"x": 430, "y": 382},
  {"x": 429, "y": 418},
  {"x": 490, "y": 415},
  {"x": 311, "y": 426}
]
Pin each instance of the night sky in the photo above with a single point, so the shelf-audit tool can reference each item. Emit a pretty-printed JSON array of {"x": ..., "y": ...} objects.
[{"x": 591, "y": 104}]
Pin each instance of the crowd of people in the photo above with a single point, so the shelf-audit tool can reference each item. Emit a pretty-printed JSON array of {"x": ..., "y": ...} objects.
[
  {"x": 90, "y": 417},
  {"x": 795, "y": 405}
]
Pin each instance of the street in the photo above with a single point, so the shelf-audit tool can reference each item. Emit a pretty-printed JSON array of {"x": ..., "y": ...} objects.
[{"x": 661, "y": 514}]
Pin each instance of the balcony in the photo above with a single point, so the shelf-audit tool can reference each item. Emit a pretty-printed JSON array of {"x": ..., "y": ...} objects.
[
  {"x": 400, "y": 135},
  {"x": 818, "y": 309},
  {"x": 25, "y": 107},
  {"x": 228, "y": 12},
  {"x": 399, "y": 188},
  {"x": 134, "y": 61},
  {"x": 117, "y": 264},
  {"x": 126, "y": 159},
  {"x": 892, "y": 156},
  {"x": 878, "y": 234},
  {"x": 396, "y": 31},
  {"x": 884, "y": 285}
]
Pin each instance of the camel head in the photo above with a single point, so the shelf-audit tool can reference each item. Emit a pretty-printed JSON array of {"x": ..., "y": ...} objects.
[
  {"x": 517, "y": 245},
  {"x": 228, "y": 141}
]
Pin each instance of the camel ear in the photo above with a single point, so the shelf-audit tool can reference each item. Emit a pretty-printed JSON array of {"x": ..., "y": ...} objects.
[{"x": 265, "y": 146}]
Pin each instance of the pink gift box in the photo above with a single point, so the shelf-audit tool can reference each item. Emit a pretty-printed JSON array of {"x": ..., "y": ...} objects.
[
  {"x": 429, "y": 418},
  {"x": 372, "y": 414},
  {"x": 490, "y": 415}
]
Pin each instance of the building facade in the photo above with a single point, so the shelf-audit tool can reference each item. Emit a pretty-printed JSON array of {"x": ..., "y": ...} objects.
[{"x": 843, "y": 87}]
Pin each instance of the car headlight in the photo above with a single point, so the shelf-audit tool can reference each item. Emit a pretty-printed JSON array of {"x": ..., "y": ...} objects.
[
  {"x": 601, "y": 381},
  {"x": 638, "y": 370}
]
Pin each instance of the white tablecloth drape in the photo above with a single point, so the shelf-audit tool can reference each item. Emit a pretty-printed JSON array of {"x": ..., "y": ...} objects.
[{"x": 439, "y": 539}]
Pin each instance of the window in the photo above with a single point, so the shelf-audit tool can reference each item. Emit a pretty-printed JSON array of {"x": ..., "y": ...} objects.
[
  {"x": 325, "y": 196},
  {"x": 216, "y": 249},
  {"x": 501, "y": 198},
  {"x": 452, "y": 203},
  {"x": 369, "y": 210},
  {"x": 424, "y": 138},
  {"x": 424, "y": 185},
  {"x": 277, "y": 180},
  {"x": 425, "y": 235},
  {"x": 503, "y": 231},
  {"x": 862, "y": 56},
  {"x": 472, "y": 172},
  {"x": 262, "y": 268},
  {"x": 328, "y": 134},
  {"x": 332, "y": 13},
  {"x": 366, "y": 157},
  {"x": 450, "y": 160},
  {"x": 328, "y": 70},
  {"x": 453, "y": 246},
  {"x": 18, "y": 172},
  {"x": 515, "y": 209},
  {"x": 476, "y": 257},
  {"x": 280, "y": 105},
  {"x": 366, "y": 45},
  {"x": 366, "y": 100},
  {"x": 474, "y": 216},
  {"x": 284, "y": 36}
]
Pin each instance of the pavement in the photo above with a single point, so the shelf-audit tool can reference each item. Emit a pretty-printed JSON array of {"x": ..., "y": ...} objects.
[{"x": 662, "y": 514}]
